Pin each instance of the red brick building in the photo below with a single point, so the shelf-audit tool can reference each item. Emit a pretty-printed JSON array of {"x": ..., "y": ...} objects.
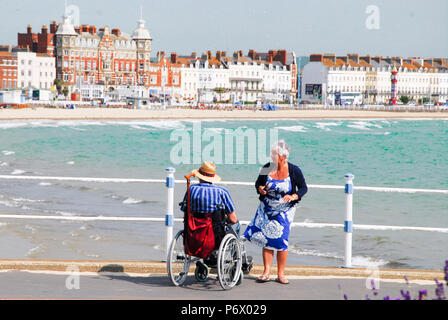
[
  {"x": 42, "y": 42},
  {"x": 86, "y": 55},
  {"x": 8, "y": 69}
]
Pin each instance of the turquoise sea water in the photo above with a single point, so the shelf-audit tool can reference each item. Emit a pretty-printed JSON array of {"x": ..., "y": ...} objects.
[{"x": 381, "y": 153}]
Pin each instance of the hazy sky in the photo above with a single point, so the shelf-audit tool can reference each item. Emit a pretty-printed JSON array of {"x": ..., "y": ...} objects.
[{"x": 393, "y": 27}]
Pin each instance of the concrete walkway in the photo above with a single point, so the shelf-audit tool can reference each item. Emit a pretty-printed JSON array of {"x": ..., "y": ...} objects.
[
  {"x": 110, "y": 280},
  {"x": 158, "y": 267}
]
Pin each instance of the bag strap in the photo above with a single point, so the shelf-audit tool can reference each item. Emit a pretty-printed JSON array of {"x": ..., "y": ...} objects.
[{"x": 188, "y": 177}]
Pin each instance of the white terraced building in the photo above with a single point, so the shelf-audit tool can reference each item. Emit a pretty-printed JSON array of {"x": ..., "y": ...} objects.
[
  {"x": 354, "y": 79},
  {"x": 258, "y": 76},
  {"x": 35, "y": 71}
]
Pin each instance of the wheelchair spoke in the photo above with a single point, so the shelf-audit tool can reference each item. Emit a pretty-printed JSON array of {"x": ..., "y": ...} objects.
[{"x": 178, "y": 262}]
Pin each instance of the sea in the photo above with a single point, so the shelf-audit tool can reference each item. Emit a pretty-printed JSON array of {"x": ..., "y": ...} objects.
[{"x": 404, "y": 153}]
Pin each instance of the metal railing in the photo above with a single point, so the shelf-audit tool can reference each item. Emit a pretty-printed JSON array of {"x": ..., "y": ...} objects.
[{"x": 169, "y": 219}]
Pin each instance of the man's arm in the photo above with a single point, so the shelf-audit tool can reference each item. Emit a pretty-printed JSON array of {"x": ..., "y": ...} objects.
[{"x": 232, "y": 217}]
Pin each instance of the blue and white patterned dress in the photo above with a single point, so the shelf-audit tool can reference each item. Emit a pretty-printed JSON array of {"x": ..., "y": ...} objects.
[{"x": 272, "y": 222}]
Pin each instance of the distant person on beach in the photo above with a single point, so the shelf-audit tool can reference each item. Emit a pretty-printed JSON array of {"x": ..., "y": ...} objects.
[{"x": 281, "y": 186}]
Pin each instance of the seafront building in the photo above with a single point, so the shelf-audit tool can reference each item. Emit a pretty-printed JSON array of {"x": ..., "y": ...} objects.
[
  {"x": 108, "y": 63},
  {"x": 26, "y": 70},
  {"x": 354, "y": 79},
  {"x": 95, "y": 62}
]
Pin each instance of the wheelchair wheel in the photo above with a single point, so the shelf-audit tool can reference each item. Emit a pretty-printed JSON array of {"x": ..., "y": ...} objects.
[
  {"x": 178, "y": 262},
  {"x": 229, "y": 262},
  {"x": 201, "y": 272}
]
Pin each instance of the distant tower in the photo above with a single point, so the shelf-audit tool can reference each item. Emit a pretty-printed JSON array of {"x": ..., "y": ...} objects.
[
  {"x": 393, "y": 92},
  {"x": 142, "y": 40},
  {"x": 65, "y": 44}
]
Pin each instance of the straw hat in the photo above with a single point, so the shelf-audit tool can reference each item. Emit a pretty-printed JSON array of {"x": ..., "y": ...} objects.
[{"x": 207, "y": 172}]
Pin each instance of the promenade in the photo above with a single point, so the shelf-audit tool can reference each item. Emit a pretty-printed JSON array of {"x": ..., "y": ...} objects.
[
  {"x": 40, "y": 113},
  {"x": 58, "y": 279}
]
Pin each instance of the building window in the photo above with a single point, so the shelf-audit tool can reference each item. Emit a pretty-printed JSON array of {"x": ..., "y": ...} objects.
[{"x": 153, "y": 79}]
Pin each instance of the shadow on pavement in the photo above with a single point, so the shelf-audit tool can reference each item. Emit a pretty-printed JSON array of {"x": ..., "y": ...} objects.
[{"x": 212, "y": 283}]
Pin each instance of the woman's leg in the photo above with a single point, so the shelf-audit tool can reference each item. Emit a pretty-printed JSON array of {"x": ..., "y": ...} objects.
[
  {"x": 268, "y": 255},
  {"x": 282, "y": 257}
]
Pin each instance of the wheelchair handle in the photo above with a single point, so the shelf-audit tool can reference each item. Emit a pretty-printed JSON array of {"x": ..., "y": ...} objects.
[{"x": 188, "y": 177}]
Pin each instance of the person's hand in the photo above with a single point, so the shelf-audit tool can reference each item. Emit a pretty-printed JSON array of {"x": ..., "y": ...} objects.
[
  {"x": 290, "y": 197},
  {"x": 261, "y": 190}
]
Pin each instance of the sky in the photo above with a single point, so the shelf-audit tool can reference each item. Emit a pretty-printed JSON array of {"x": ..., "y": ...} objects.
[{"x": 407, "y": 28}]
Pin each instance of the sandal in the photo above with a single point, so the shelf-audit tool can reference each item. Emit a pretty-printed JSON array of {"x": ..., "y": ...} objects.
[
  {"x": 282, "y": 280},
  {"x": 263, "y": 278}
]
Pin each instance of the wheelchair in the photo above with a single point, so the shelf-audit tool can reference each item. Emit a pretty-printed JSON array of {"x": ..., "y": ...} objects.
[{"x": 229, "y": 261}]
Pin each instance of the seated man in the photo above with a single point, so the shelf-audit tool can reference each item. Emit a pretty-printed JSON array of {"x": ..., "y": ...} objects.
[{"x": 209, "y": 200}]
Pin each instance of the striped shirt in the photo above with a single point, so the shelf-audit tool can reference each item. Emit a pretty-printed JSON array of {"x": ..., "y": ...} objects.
[{"x": 205, "y": 198}]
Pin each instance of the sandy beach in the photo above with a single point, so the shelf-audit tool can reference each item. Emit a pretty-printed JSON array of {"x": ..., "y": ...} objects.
[{"x": 179, "y": 113}]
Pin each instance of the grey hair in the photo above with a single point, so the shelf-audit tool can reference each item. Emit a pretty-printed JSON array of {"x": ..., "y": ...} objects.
[{"x": 281, "y": 147}]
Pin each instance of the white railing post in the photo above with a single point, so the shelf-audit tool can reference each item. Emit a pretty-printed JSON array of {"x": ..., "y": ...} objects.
[
  {"x": 348, "y": 224},
  {"x": 169, "y": 217}
]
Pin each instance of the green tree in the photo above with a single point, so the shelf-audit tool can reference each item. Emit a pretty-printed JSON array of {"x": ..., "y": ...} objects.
[
  {"x": 65, "y": 91},
  {"x": 423, "y": 101},
  {"x": 405, "y": 99},
  {"x": 58, "y": 83},
  {"x": 220, "y": 91}
]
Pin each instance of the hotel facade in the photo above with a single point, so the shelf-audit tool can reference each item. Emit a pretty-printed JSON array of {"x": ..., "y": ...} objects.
[
  {"x": 95, "y": 62},
  {"x": 354, "y": 79}
]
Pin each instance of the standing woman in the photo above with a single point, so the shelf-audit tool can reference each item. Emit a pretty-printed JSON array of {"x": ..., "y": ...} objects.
[{"x": 281, "y": 186}]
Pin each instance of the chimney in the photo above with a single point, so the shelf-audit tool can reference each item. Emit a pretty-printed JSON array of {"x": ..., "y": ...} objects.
[
  {"x": 116, "y": 32},
  {"x": 354, "y": 57},
  {"x": 269, "y": 58},
  {"x": 44, "y": 29},
  {"x": 53, "y": 27},
  {"x": 209, "y": 55},
  {"x": 316, "y": 58},
  {"x": 173, "y": 57},
  {"x": 160, "y": 56},
  {"x": 224, "y": 53},
  {"x": 252, "y": 54},
  {"x": 330, "y": 56},
  {"x": 240, "y": 53},
  {"x": 78, "y": 30},
  {"x": 280, "y": 56},
  {"x": 92, "y": 30},
  {"x": 29, "y": 29},
  {"x": 218, "y": 55}
]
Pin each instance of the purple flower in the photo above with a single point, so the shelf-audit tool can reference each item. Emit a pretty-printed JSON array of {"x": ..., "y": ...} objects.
[
  {"x": 345, "y": 297},
  {"x": 440, "y": 292},
  {"x": 386, "y": 298},
  {"x": 406, "y": 295},
  {"x": 421, "y": 294}
]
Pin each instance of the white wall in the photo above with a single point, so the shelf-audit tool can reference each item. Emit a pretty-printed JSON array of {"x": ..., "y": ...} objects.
[{"x": 35, "y": 71}]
